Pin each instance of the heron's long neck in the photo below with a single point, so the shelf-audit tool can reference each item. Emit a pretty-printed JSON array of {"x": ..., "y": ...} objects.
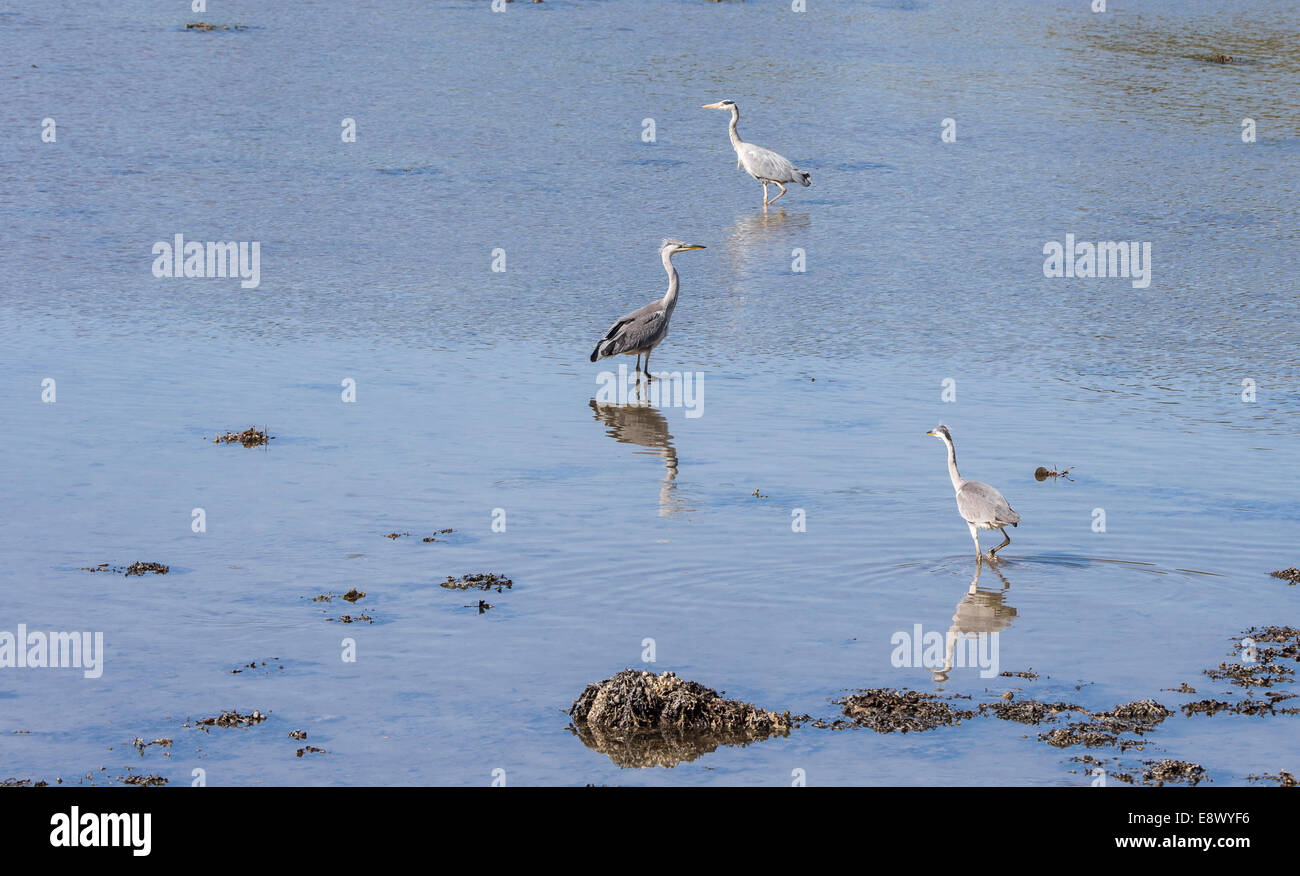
[
  {"x": 957, "y": 480},
  {"x": 670, "y": 299},
  {"x": 736, "y": 142}
]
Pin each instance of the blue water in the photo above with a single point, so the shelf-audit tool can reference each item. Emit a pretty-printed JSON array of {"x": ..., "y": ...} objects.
[{"x": 522, "y": 131}]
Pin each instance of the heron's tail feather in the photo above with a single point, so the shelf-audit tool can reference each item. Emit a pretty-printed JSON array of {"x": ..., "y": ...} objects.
[
  {"x": 595, "y": 354},
  {"x": 804, "y": 177}
]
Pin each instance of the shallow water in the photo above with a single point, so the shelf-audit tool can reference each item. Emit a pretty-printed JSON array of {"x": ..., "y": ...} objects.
[{"x": 522, "y": 131}]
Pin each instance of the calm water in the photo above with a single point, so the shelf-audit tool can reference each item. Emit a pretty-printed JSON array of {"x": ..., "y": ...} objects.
[{"x": 523, "y": 131}]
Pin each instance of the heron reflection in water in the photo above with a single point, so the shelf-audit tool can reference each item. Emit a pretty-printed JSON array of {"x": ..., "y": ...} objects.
[
  {"x": 644, "y": 426},
  {"x": 758, "y": 242},
  {"x": 980, "y": 611}
]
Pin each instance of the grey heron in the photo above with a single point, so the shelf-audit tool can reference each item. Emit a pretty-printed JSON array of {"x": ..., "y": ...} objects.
[
  {"x": 762, "y": 164},
  {"x": 642, "y": 330},
  {"x": 981, "y": 506}
]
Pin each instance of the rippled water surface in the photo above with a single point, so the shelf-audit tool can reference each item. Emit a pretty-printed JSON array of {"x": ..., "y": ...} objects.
[{"x": 523, "y": 131}]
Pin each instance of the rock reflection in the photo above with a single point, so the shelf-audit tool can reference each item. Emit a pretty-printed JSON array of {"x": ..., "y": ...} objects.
[{"x": 662, "y": 748}]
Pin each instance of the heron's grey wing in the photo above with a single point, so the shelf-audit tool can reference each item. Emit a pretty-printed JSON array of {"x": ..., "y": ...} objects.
[
  {"x": 983, "y": 505},
  {"x": 766, "y": 164},
  {"x": 634, "y": 331},
  {"x": 640, "y": 332}
]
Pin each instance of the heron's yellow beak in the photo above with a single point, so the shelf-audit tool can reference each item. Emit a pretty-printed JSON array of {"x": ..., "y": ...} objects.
[
  {"x": 711, "y": 106},
  {"x": 931, "y": 434},
  {"x": 694, "y": 246}
]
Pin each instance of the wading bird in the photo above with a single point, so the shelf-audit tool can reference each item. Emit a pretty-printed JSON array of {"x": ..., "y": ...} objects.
[
  {"x": 641, "y": 330},
  {"x": 762, "y": 164},
  {"x": 981, "y": 506}
]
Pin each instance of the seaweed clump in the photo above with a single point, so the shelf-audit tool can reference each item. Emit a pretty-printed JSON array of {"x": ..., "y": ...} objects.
[
  {"x": 478, "y": 581},
  {"x": 231, "y": 719},
  {"x": 250, "y": 437},
  {"x": 910, "y": 711},
  {"x": 1159, "y": 772},
  {"x": 641, "y": 719},
  {"x": 1028, "y": 711},
  {"x": 1109, "y": 728}
]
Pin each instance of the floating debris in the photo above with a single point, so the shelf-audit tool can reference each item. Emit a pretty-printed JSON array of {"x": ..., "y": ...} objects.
[
  {"x": 349, "y": 619},
  {"x": 353, "y": 595},
  {"x": 1028, "y": 711},
  {"x": 757, "y": 495},
  {"x": 396, "y": 535},
  {"x": 145, "y": 781},
  {"x": 1153, "y": 773},
  {"x": 482, "y": 606},
  {"x": 255, "y": 665},
  {"x": 310, "y": 749},
  {"x": 1283, "y": 779},
  {"x": 140, "y": 745},
  {"x": 250, "y": 437},
  {"x": 1288, "y": 637},
  {"x": 1137, "y": 717},
  {"x": 147, "y": 568},
  {"x": 203, "y": 25},
  {"x": 1242, "y": 707},
  {"x": 1091, "y": 761},
  {"x": 298, "y": 734},
  {"x": 429, "y": 538},
  {"x": 136, "y": 568},
  {"x": 887, "y": 711},
  {"x": 1159, "y": 772},
  {"x": 1262, "y": 673},
  {"x": 231, "y": 719},
  {"x": 1028, "y": 673},
  {"x": 640, "y": 719},
  {"x": 1259, "y": 669},
  {"x": 1109, "y": 728},
  {"x": 478, "y": 581},
  {"x": 1290, "y": 575},
  {"x": 1042, "y": 473}
]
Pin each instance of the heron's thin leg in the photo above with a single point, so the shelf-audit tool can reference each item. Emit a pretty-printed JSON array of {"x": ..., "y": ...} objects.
[
  {"x": 974, "y": 534},
  {"x": 764, "y": 194},
  {"x": 778, "y": 197},
  {"x": 638, "y": 361},
  {"x": 647, "y": 366},
  {"x": 1003, "y": 530}
]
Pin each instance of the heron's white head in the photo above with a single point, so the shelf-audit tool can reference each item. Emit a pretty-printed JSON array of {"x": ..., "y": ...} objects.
[
  {"x": 722, "y": 105},
  {"x": 940, "y": 432},
  {"x": 672, "y": 247}
]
